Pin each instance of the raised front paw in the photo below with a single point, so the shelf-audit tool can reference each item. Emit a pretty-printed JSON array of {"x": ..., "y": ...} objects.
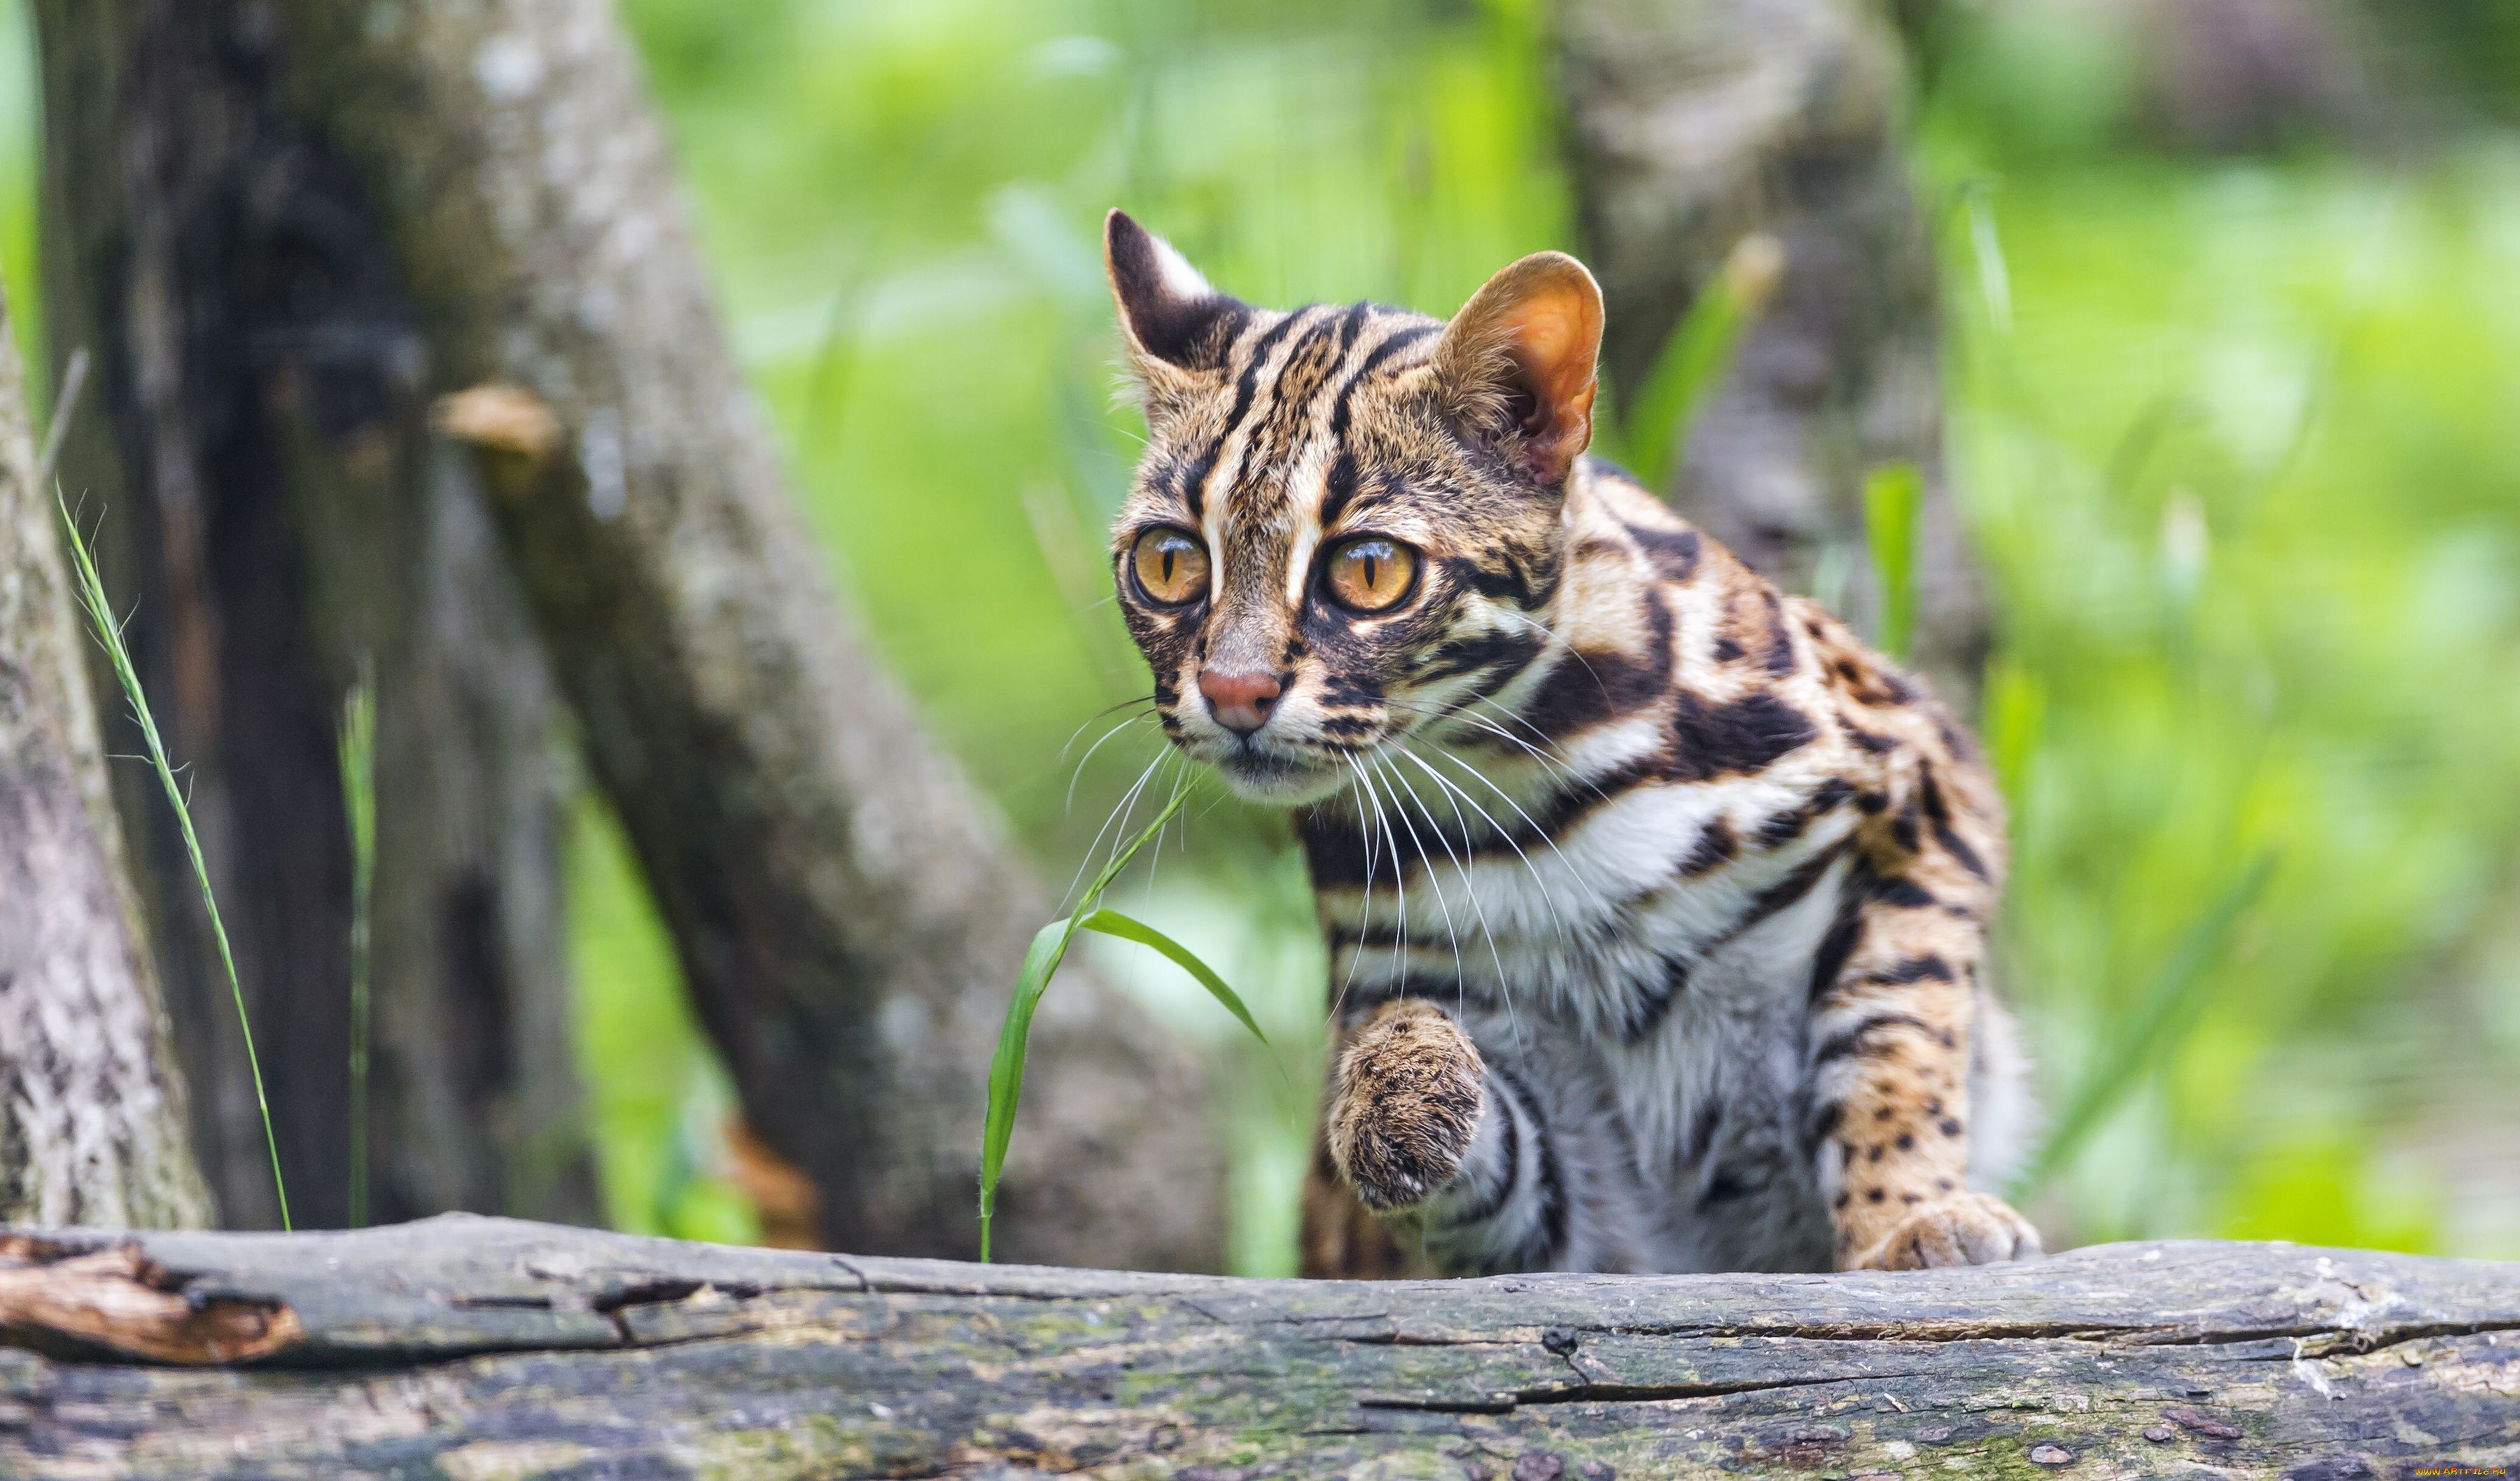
[
  {"x": 1950, "y": 1228},
  {"x": 1404, "y": 1104}
]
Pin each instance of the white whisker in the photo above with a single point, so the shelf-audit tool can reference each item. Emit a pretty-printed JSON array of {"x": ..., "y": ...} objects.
[
  {"x": 1120, "y": 813},
  {"x": 1452, "y": 931},
  {"x": 1555, "y": 914},
  {"x": 1078, "y": 774},
  {"x": 1504, "y": 987},
  {"x": 1399, "y": 878}
]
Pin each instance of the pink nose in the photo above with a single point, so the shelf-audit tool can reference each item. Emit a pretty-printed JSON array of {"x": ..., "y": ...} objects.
[{"x": 1240, "y": 703}]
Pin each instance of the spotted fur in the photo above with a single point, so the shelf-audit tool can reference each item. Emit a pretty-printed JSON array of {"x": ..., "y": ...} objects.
[{"x": 1656, "y": 903}]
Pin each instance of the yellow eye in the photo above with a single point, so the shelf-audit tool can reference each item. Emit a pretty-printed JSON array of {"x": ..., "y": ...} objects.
[
  {"x": 1171, "y": 566},
  {"x": 1369, "y": 573}
]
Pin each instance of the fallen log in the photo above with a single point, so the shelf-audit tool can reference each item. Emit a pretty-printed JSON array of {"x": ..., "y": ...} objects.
[{"x": 486, "y": 1347}]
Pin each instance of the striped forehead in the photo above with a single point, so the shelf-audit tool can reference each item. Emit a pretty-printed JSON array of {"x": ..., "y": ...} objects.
[{"x": 1263, "y": 476}]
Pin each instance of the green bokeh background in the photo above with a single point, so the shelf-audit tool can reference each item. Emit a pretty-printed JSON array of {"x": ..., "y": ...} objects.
[{"x": 2240, "y": 439}]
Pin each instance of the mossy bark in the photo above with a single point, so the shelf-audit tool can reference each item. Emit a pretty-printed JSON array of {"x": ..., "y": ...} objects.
[{"x": 476, "y": 1348}]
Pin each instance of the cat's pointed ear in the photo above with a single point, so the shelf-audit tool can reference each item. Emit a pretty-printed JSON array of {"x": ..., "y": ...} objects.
[
  {"x": 1517, "y": 362},
  {"x": 1174, "y": 321}
]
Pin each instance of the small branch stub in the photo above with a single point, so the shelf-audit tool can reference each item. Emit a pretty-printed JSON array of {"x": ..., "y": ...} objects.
[
  {"x": 116, "y": 1299},
  {"x": 501, "y": 419}
]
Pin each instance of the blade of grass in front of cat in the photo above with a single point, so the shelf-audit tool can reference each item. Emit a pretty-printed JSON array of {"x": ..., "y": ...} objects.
[
  {"x": 109, "y": 632},
  {"x": 1007, "y": 1065},
  {"x": 1040, "y": 962},
  {"x": 1112, "y": 923},
  {"x": 2152, "y": 1032},
  {"x": 358, "y": 748}
]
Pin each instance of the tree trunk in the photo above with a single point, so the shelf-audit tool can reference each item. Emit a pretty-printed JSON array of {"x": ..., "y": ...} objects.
[
  {"x": 1692, "y": 124},
  {"x": 91, "y": 1104},
  {"x": 849, "y": 916},
  {"x": 273, "y": 510},
  {"x": 473, "y": 1348}
]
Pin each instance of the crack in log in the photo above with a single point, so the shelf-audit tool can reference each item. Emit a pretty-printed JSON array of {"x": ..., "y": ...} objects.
[
  {"x": 2345, "y": 1339},
  {"x": 1595, "y": 1391},
  {"x": 2359, "y": 1341}
]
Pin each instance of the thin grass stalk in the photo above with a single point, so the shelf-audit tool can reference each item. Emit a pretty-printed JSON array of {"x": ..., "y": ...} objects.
[
  {"x": 109, "y": 632},
  {"x": 358, "y": 747}
]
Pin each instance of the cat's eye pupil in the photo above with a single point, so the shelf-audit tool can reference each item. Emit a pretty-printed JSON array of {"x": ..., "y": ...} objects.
[
  {"x": 1369, "y": 573},
  {"x": 1171, "y": 567}
]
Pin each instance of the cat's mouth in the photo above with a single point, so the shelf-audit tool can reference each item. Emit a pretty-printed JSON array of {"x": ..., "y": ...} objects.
[{"x": 1276, "y": 775}]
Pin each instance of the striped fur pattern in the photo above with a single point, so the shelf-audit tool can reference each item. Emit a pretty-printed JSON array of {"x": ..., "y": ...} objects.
[{"x": 1656, "y": 904}]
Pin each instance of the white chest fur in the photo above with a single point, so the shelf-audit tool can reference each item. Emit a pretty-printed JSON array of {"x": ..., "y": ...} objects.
[{"x": 1662, "y": 1010}]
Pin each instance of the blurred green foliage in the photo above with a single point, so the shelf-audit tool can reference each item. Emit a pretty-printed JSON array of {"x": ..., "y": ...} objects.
[{"x": 2237, "y": 439}]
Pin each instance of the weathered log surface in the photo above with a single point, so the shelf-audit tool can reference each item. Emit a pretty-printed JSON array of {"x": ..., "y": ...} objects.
[{"x": 473, "y": 1348}]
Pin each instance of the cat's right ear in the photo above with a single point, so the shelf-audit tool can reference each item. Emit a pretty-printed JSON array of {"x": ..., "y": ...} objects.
[{"x": 1176, "y": 324}]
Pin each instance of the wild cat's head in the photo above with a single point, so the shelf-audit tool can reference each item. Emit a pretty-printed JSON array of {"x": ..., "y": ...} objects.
[{"x": 1346, "y": 525}]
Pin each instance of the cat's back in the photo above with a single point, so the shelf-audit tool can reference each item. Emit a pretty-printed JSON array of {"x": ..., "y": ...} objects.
[{"x": 1881, "y": 739}]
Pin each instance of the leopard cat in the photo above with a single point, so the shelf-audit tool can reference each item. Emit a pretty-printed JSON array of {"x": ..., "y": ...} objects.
[{"x": 1656, "y": 903}]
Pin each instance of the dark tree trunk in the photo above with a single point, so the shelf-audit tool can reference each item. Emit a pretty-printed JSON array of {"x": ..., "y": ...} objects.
[
  {"x": 273, "y": 510},
  {"x": 475, "y": 1348},
  {"x": 285, "y": 226},
  {"x": 849, "y": 914},
  {"x": 1694, "y": 124},
  {"x": 91, "y": 1104}
]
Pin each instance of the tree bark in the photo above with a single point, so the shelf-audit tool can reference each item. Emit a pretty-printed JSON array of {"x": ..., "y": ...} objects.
[
  {"x": 848, "y": 914},
  {"x": 91, "y": 1104},
  {"x": 272, "y": 509},
  {"x": 478, "y": 1348},
  {"x": 1693, "y": 124}
]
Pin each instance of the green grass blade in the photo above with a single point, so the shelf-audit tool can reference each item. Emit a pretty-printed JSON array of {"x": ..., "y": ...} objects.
[
  {"x": 358, "y": 747},
  {"x": 1007, "y": 1065},
  {"x": 1655, "y": 420},
  {"x": 1892, "y": 496},
  {"x": 1120, "y": 859},
  {"x": 2168, "y": 1007},
  {"x": 1041, "y": 961},
  {"x": 1112, "y": 923},
  {"x": 100, "y": 611}
]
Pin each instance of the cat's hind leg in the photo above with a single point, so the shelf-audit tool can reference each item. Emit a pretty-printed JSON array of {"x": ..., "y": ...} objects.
[{"x": 1890, "y": 1065}]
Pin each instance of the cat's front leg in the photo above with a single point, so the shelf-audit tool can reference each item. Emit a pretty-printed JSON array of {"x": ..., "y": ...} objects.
[
  {"x": 1433, "y": 1146},
  {"x": 1404, "y": 1104}
]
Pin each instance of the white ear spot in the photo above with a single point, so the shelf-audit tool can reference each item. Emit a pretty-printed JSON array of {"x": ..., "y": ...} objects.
[
  {"x": 1169, "y": 313},
  {"x": 1180, "y": 280}
]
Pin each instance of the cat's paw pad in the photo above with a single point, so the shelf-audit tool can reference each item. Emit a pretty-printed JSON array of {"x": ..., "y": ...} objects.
[
  {"x": 1954, "y": 1229},
  {"x": 1405, "y": 1105}
]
